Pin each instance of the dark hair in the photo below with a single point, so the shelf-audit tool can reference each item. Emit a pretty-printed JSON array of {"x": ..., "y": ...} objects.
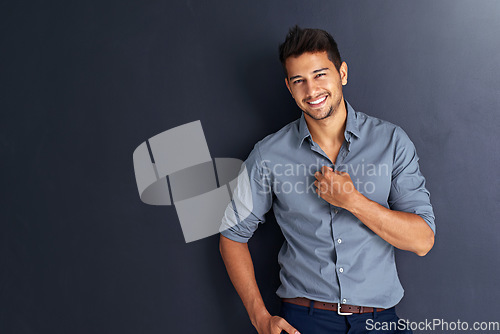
[{"x": 299, "y": 41}]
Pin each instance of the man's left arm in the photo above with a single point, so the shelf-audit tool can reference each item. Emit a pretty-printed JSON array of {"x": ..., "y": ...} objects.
[{"x": 403, "y": 226}]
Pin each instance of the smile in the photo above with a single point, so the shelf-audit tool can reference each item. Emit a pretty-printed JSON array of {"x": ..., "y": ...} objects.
[{"x": 318, "y": 101}]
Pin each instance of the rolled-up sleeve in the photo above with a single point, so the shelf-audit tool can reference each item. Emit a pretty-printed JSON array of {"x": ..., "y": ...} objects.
[
  {"x": 408, "y": 192},
  {"x": 251, "y": 199}
]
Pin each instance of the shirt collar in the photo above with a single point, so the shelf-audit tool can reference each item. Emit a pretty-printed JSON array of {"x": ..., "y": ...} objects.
[
  {"x": 352, "y": 121},
  {"x": 351, "y": 126}
]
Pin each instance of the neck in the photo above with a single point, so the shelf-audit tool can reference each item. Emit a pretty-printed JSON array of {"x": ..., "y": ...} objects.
[{"x": 329, "y": 131}]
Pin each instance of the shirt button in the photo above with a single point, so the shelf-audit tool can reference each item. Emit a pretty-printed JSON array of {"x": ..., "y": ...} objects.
[
  {"x": 344, "y": 301},
  {"x": 336, "y": 211},
  {"x": 339, "y": 240},
  {"x": 341, "y": 270}
]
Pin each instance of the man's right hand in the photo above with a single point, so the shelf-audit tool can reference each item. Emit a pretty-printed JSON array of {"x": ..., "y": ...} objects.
[
  {"x": 239, "y": 266},
  {"x": 275, "y": 325}
]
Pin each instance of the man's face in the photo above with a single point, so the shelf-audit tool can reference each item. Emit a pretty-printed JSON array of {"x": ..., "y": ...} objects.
[{"x": 315, "y": 83}]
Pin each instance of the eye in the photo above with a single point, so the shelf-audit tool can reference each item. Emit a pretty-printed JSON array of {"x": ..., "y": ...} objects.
[
  {"x": 320, "y": 75},
  {"x": 298, "y": 81}
]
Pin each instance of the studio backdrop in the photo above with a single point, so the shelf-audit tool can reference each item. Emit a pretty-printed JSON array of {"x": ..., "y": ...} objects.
[{"x": 84, "y": 84}]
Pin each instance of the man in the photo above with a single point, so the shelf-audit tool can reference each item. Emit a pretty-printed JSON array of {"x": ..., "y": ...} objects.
[{"x": 338, "y": 273}]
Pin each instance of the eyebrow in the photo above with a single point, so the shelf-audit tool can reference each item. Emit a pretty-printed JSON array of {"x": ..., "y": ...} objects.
[{"x": 315, "y": 71}]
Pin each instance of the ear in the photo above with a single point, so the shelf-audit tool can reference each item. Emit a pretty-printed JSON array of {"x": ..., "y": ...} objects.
[
  {"x": 288, "y": 86},
  {"x": 343, "y": 73}
]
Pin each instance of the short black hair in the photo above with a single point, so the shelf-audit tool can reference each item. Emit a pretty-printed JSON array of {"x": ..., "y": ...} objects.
[{"x": 299, "y": 41}]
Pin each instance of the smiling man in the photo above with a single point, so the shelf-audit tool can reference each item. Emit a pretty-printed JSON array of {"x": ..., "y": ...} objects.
[{"x": 359, "y": 195}]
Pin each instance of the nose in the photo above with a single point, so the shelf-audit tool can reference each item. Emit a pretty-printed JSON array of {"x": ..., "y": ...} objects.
[{"x": 311, "y": 88}]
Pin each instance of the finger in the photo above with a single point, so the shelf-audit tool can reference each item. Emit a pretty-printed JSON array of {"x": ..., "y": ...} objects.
[
  {"x": 319, "y": 176},
  {"x": 284, "y": 325},
  {"x": 323, "y": 188},
  {"x": 326, "y": 169},
  {"x": 319, "y": 184},
  {"x": 337, "y": 174}
]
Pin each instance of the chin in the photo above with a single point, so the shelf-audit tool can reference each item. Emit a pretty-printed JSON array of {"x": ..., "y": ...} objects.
[{"x": 320, "y": 115}]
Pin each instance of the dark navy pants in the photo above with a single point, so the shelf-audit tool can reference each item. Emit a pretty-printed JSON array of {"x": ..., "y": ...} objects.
[{"x": 313, "y": 321}]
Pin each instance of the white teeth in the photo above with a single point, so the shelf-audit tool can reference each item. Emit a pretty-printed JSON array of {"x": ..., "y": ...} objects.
[{"x": 318, "y": 101}]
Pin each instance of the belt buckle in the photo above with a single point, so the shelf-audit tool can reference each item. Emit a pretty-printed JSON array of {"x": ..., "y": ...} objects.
[{"x": 341, "y": 313}]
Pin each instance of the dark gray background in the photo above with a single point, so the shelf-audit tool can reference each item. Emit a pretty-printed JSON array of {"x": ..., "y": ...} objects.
[{"x": 84, "y": 83}]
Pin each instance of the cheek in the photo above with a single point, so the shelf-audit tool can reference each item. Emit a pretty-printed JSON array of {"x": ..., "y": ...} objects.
[
  {"x": 335, "y": 88},
  {"x": 297, "y": 94}
]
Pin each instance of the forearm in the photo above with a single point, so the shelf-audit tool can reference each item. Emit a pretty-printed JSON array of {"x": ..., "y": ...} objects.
[
  {"x": 403, "y": 230},
  {"x": 239, "y": 265}
]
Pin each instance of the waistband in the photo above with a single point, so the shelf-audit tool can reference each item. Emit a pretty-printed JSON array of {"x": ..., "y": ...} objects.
[{"x": 342, "y": 309}]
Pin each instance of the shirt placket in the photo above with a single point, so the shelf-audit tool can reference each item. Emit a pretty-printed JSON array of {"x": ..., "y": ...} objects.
[{"x": 338, "y": 240}]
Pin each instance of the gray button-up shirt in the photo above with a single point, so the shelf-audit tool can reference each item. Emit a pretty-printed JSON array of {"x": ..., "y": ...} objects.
[{"x": 328, "y": 254}]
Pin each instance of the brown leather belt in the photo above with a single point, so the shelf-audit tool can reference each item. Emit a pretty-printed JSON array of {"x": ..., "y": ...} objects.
[{"x": 344, "y": 308}]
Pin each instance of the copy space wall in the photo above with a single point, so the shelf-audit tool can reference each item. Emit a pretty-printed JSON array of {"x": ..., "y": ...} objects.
[{"x": 84, "y": 83}]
